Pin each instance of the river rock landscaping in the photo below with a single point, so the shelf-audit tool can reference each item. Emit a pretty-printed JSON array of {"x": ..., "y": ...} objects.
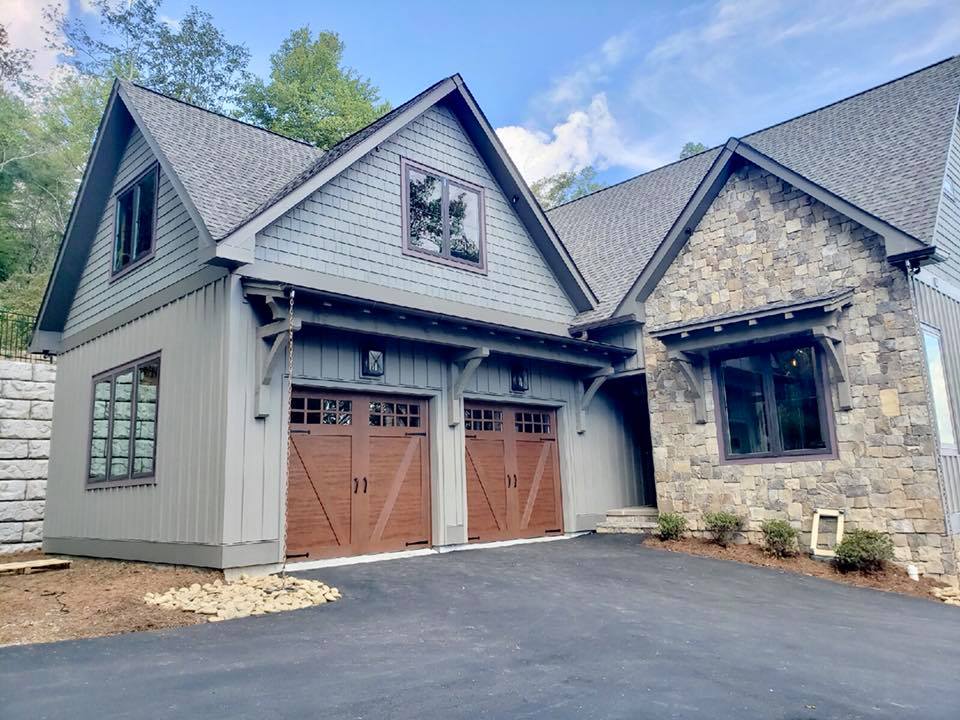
[{"x": 219, "y": 600}]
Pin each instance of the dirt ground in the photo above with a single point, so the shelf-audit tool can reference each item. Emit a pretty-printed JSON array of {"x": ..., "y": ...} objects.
[
  {"x": 893, "y": 579},
  {"x": 92, "y": 598}
]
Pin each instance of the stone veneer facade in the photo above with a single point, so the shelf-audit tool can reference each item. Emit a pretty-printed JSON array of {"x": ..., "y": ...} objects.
[
  {"x": 26, "y": 412},
  {"x": 763, "y": 241}
]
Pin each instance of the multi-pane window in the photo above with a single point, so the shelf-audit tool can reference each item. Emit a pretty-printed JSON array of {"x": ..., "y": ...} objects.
[
  {"x": 443, "y": 217},
  {"x": 773, "y": 403},
  {"x": 483, "y": 419},
  {"x": 124, "y": 423},
  {"x": 394, "y": 414},
  {"x": 320, "y": 411},
  {"x": 532, "y": 422},
  {"x": 933, "y": 348},
  {"x": 134, "y": 223}
]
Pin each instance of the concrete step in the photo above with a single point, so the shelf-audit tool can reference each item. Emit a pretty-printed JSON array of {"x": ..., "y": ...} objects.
[{"x": 631, "y": 520}]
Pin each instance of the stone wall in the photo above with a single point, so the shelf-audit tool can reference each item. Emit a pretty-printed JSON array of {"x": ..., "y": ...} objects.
[
  {"x": 763, "y": 241},
  {"x": 26, "y": 412}
]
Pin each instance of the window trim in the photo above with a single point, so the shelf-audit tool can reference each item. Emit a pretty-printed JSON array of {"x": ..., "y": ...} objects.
[
  {"x": 825, "y": 406},
  {"x": 134, "y": 479},
  {"x": 944, "y": 448},
  {"x": 134, "y": 264},
  {"x": 447, "y": 179}
]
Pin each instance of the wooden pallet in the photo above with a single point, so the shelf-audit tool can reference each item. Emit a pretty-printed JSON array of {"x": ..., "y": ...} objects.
[{"x": 29, "y": 566}]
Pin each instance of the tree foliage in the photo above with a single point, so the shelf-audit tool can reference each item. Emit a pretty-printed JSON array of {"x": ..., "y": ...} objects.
[
  {"x": 190, "y": 59},
  {"x": 563, "y": 187},
  {"x": 692, "y": 148},
  {"x": 310, "y": 95}
]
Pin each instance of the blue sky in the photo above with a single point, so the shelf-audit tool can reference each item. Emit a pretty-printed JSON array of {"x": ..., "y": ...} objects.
[{"x": 620, "y": 85}]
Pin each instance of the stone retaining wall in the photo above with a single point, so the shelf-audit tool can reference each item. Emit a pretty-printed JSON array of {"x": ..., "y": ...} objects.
[{"x": 26, "y": 413}]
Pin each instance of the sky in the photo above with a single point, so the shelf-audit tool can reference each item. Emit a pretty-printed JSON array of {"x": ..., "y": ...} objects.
[{"x": 617, "y": 85}]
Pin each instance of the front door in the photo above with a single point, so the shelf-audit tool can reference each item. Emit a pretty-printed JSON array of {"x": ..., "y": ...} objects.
[
  {"x": 513, "y": 474},
  {"x": 358, "y": 474}
]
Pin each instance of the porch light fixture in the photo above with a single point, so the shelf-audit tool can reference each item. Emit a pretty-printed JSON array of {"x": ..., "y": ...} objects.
[
  {"x": 372, "y": 362},
  {"x": 519, "y": 379}
]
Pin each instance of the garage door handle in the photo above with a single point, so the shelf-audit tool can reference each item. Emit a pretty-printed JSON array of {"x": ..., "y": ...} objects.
[
  {"x": 356, "y": 484},
  {"x": 514, "y": 480},
  {"x": 364, "y": 486}
]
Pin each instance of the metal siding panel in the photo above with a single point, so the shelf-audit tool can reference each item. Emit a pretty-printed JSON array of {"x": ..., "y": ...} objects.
[
  {"x": 352, "y": 228},
  {"x": 940, "y": 311},
  {"x": 175, "y": 257},
  {"x": 184, "y": 505}
]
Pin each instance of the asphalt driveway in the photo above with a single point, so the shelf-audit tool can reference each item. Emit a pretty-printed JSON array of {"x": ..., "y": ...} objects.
[{"x": 596, "y": 627}]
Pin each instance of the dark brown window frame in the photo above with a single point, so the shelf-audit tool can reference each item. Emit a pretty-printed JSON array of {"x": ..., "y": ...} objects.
[
  {"x": 116, "y": 273},
  {"x": 133, "y": 479},
  {"x": 443, "y": 257},
  {"x": 825, "y": 406}
]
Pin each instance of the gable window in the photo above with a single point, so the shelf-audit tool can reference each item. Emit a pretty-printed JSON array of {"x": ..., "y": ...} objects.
[
  {"x": 123, "y": 424},
  {"x": 773, "y": 403},
  {"x": 442, "y": 217},
  {"x": 933, "y": 349},
  {"x": 135, "y": 221}
]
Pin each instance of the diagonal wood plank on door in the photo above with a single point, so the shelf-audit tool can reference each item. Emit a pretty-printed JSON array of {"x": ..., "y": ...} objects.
[
  {"x": 394, "y": 491},
  {"x": 320, "y": 495},
  {"x": 500, "y": 521},
  {"x": 535, "y": 485}
]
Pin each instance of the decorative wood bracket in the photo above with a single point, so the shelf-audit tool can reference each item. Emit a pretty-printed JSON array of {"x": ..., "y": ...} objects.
[
  {"x": 461, "y": 370},
  {"x": 691, "y": 366},
  {"x": 588, "y": 389},
  {"x": 271, "y": 342},
  {"x": 831, "y": 342}
]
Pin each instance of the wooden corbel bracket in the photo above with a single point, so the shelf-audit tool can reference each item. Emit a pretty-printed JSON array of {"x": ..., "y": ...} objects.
[
  {"x": 691, "y": 367},
  {"x": 461, "y": 370},
  {"x": 588, "y": 389}
]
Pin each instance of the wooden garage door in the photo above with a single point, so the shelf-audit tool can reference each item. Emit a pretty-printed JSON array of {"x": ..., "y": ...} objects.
[
  {"x": 358, "y": 474},
  {"x": 513, "y": 474}
]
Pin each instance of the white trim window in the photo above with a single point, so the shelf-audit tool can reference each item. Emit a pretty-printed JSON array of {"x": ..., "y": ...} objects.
[{"x": 939, "y": 390}]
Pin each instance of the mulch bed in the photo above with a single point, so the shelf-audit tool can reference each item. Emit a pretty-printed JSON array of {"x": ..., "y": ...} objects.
[
  {"x": 893, "y": 579},
  {"x": 92, "y": 598}
]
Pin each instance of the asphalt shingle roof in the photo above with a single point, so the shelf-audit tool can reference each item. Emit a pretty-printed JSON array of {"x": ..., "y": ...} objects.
[
  {"x": 227, "y": 167},
  {"x": 883, "y": 150}
]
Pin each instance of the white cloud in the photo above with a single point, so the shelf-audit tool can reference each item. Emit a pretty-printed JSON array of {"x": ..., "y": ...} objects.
[
  {"x": 589, "y": 136},
  {"x": 23, "y": 20}
]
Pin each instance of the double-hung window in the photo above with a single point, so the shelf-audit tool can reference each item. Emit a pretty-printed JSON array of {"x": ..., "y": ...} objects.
[
  {"x": 773, "y": 403},
  {"x": 123, "y": 428},
  {"x": 933, "y": 349},
  {"x": 442, "y": 217},
  {"x": 134, "y": 221}
]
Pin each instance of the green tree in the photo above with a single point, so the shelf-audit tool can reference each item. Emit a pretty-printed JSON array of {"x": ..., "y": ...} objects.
[
  {"x": 190, "y": 60},
  {"x": 563, "y": 187},
  {"x": 310, "y": 95},
  {"x": 692, "y": 148}
]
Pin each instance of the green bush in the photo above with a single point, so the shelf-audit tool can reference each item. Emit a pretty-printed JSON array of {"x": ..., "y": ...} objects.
[
  {"x": 723, "y": 526},
  {"x": 779, "y": 538},
  {"x": 863, "y": 550},
  {"x": 670, "y": 526}
]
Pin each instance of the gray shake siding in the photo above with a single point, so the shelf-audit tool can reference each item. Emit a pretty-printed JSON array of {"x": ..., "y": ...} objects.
[
  {"x": 175, "y": 255},
  {"x": 947, "y": 228},
  {"x": 351, "y": 228},
  {"x": 184, "y": 506}
]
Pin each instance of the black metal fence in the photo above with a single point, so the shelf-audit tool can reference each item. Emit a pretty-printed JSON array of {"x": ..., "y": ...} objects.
[{"x": 15, "y": 331}]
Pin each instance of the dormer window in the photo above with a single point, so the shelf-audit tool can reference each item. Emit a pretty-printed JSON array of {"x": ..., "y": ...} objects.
[
  {"x": 134, "y": 221},
  {"x": 442, "y": 218}
]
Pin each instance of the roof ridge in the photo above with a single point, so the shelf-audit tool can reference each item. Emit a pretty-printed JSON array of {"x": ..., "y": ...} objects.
[
  {"x": 851, "y": 97},
  {"x": 764, "y": 129},
  {"x": 678, "y": 161},
  {"x": 220, "y": 115}
]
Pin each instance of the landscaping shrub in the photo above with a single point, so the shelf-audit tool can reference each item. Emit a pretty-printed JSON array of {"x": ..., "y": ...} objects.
[
  {"x": 723, "y": 526},
  {"x": 670, "y": 526},
  {"x": 779, "y": 538},
  {"x": 863, "y": 550}
]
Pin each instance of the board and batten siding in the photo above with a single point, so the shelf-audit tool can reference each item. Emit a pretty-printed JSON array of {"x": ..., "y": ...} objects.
[
  {"x": 938, "y": 306},
  {"x": 185, "y": 504},
  {"x": 946, "y": 233},
  {"x": 176, "y": 247},
  {"x": 352, "y": 228}
]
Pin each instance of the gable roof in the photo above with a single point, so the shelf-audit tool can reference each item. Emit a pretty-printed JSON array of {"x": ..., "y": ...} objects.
[{"x": 883, "y": 151}]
